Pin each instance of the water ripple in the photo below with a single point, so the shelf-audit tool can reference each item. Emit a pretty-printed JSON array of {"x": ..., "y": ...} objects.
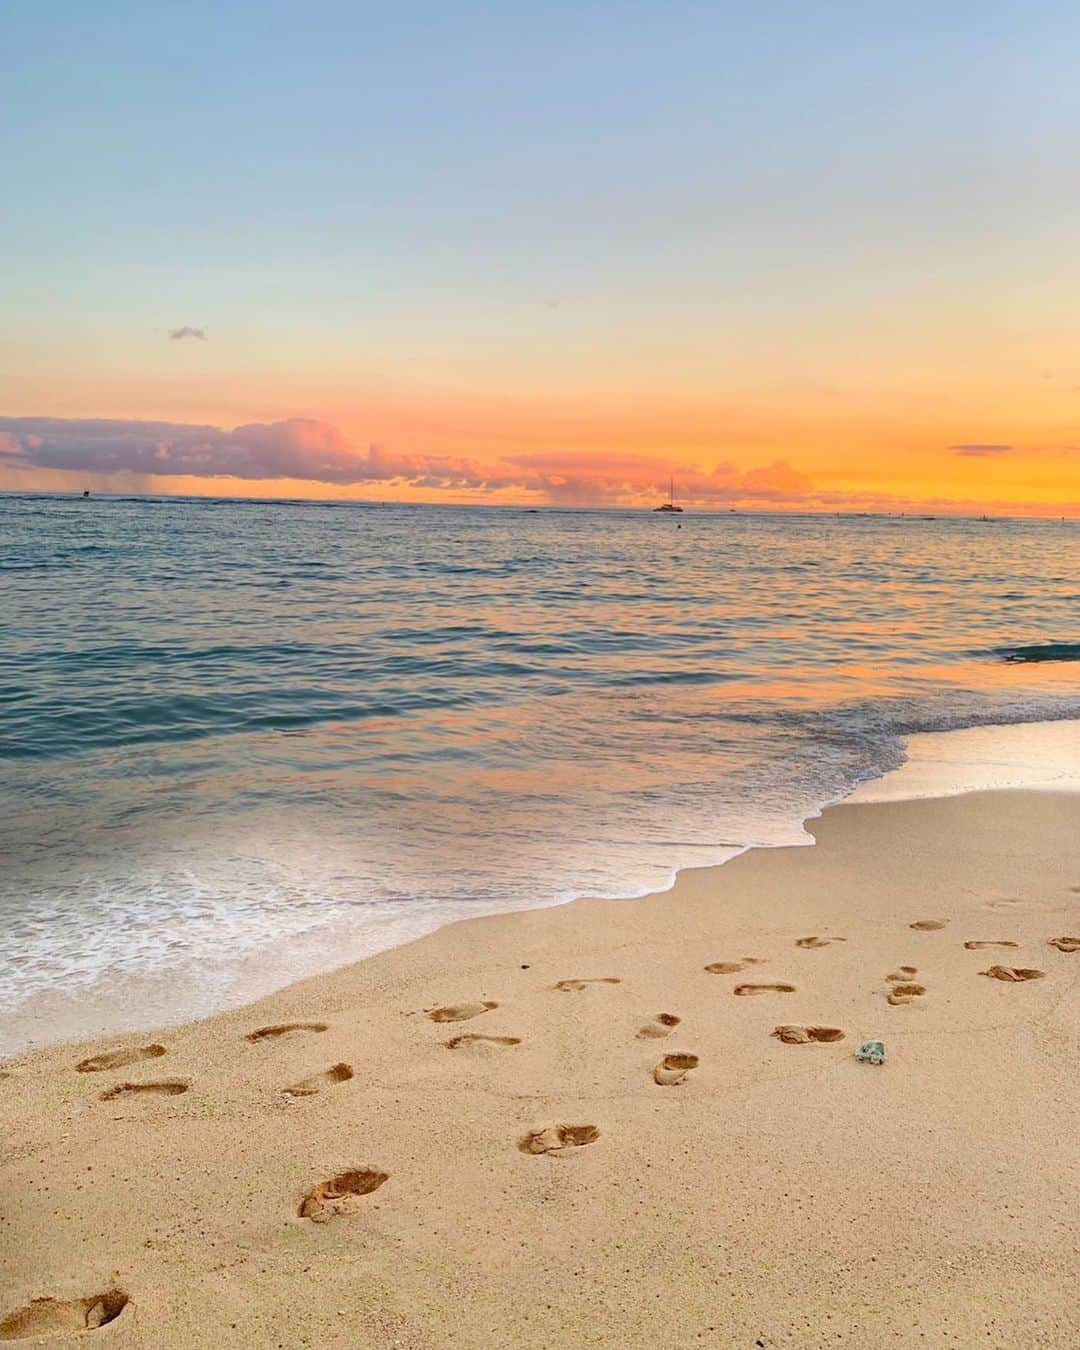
[{"x": 296, "y": 732}]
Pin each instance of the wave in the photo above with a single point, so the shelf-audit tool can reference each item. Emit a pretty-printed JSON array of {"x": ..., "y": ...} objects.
[{"x": 1041, "y": 651}]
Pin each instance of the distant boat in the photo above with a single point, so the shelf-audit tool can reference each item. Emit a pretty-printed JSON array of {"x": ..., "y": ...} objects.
[{"x": 669, "y": 505}]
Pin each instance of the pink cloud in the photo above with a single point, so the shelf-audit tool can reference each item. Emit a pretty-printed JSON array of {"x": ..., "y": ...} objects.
[
  {"x": 581, "y": 478},
  {"x": 316, "y": 451}
]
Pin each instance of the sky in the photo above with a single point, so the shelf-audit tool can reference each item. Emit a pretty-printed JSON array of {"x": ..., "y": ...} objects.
[{"x": 794, "y": 255}]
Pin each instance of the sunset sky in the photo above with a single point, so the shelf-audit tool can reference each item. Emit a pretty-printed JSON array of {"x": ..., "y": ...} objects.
[{"x": 798, "y": 255}]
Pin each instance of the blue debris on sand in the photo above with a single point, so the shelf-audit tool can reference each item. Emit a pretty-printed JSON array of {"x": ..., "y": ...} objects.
[{"x": 871, "y": 1052}]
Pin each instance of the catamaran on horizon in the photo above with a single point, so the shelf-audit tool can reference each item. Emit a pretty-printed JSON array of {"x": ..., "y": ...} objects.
[{"x": 669, "y": 505}]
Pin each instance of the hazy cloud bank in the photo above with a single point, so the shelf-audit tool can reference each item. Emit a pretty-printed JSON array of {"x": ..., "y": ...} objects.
[{"x": 315, "y": 451}]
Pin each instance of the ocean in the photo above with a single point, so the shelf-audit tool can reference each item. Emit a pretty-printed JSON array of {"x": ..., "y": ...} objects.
[{"x": 245, "y": 741}]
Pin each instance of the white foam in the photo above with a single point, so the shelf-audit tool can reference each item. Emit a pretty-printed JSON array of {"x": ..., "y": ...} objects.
[{"x": 224, "y": 955}]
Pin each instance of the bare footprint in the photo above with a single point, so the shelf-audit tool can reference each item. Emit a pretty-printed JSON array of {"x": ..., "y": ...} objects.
[
  {"x": 793, "y": 1035},
  {"x": 980, "y": 943},
  {"x": 902, "y": 974},
  {"x": 308, "y": 1087},
  {"x": 1013, "y": 974},
  {"x": 332, "y": 1197},
  {"x": 734, "y": 967},
  {"x": 673, "y": 1069},
  {"x": 471, "y": 1039},
  {"x": 743, "y": 989},
  {"x": 54, "y": 1317},
  {"x": 663, "y": 1024},
  {"x": 284, "y": 1029},
  {"x": 163, "y": 1087},
  {"x": 817, "y": 941},
  {"x": 900, "y": 994},
  {"x": 576, "y": 986},
  {"x": 1065, "y": 944},
  {"x": 928, "y": 925},
  {"x": 118, "y": 1059},
  {"x": 460, "y": 1012},
  {"x": 554, "y": 1137}
]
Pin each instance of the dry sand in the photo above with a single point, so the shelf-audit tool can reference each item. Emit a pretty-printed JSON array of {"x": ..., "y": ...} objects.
[{"x": 777, "y": 1193}]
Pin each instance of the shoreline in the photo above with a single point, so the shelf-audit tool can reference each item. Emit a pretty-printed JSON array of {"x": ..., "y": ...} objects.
[
  {"x": 1043, "y": 755},
  {"x": 780, "y": 1194}
]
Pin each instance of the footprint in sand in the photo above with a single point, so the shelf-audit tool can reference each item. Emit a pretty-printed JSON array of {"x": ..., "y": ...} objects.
[
  {"x": 742, "y": 990},
  {"x": 980, "y": 943},
  {"x": 119, "y": 1059},
  {"x": 332, "y": 1197},
  {"x": 552, "y": 1138},
  {"x": 55, "y": 1317},
  {"x": 663, "y": 1024},
  {"x": 673, "y": 1069},
  {"x": 164, "y": 1087},
  {"x": 904, "y": 992},
  {"x": 813, "y": 942},
  {"x": 734, "y": 967},
  {"x": 472, "y": 1041},
  {"x": 794, "y": 1035},
  {"x": 284, "y": 1029},
  {"x": 1013, "y": 974},
  {"x": 928, "y": 925},
  {"x": 901, "y": 974},
  {"x": 576, "y": 986},
  {"x": 1065, "y": 944},
  {"x": 459, "y": 1012},
  {"x": 308, "y": 1087}
]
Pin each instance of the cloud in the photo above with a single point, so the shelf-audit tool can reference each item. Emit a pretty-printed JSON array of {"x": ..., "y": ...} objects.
[
  {"x": 175, "y": 334},
  {"x": 59, "y": 453},
  {"x": 579, "y": 477},
  {"x": 317, "y": 452},
  {"x": 300, "y": 448},
  {"x": 980, "y": 450}
]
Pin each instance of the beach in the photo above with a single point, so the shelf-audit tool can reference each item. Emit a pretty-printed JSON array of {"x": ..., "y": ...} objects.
[
  {"x": 540, "y": 678},
  {"x": 477, "y": 1139}
]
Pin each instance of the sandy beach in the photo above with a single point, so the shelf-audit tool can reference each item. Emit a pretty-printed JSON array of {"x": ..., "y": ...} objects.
[
  {"x": 579, "y": 1127},
  {"x": 540, "y": 678}
]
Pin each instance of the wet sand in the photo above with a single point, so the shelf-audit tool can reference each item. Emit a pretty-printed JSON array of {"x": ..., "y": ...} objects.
[{"x": 578, "y": 1126}]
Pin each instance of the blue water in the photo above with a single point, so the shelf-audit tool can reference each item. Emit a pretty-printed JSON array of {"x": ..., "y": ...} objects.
[{"x": 243, "y": 741}]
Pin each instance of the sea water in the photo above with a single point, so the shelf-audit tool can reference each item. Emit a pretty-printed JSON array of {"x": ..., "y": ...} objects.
[{"x": 244, "y": 741}]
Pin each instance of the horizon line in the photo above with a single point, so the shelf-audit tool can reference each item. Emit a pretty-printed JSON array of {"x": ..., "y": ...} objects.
[{"x": 75, "y": 494}]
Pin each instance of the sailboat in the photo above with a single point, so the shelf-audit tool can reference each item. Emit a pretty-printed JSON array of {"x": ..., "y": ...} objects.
[{"x": 669, "y": 505}]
